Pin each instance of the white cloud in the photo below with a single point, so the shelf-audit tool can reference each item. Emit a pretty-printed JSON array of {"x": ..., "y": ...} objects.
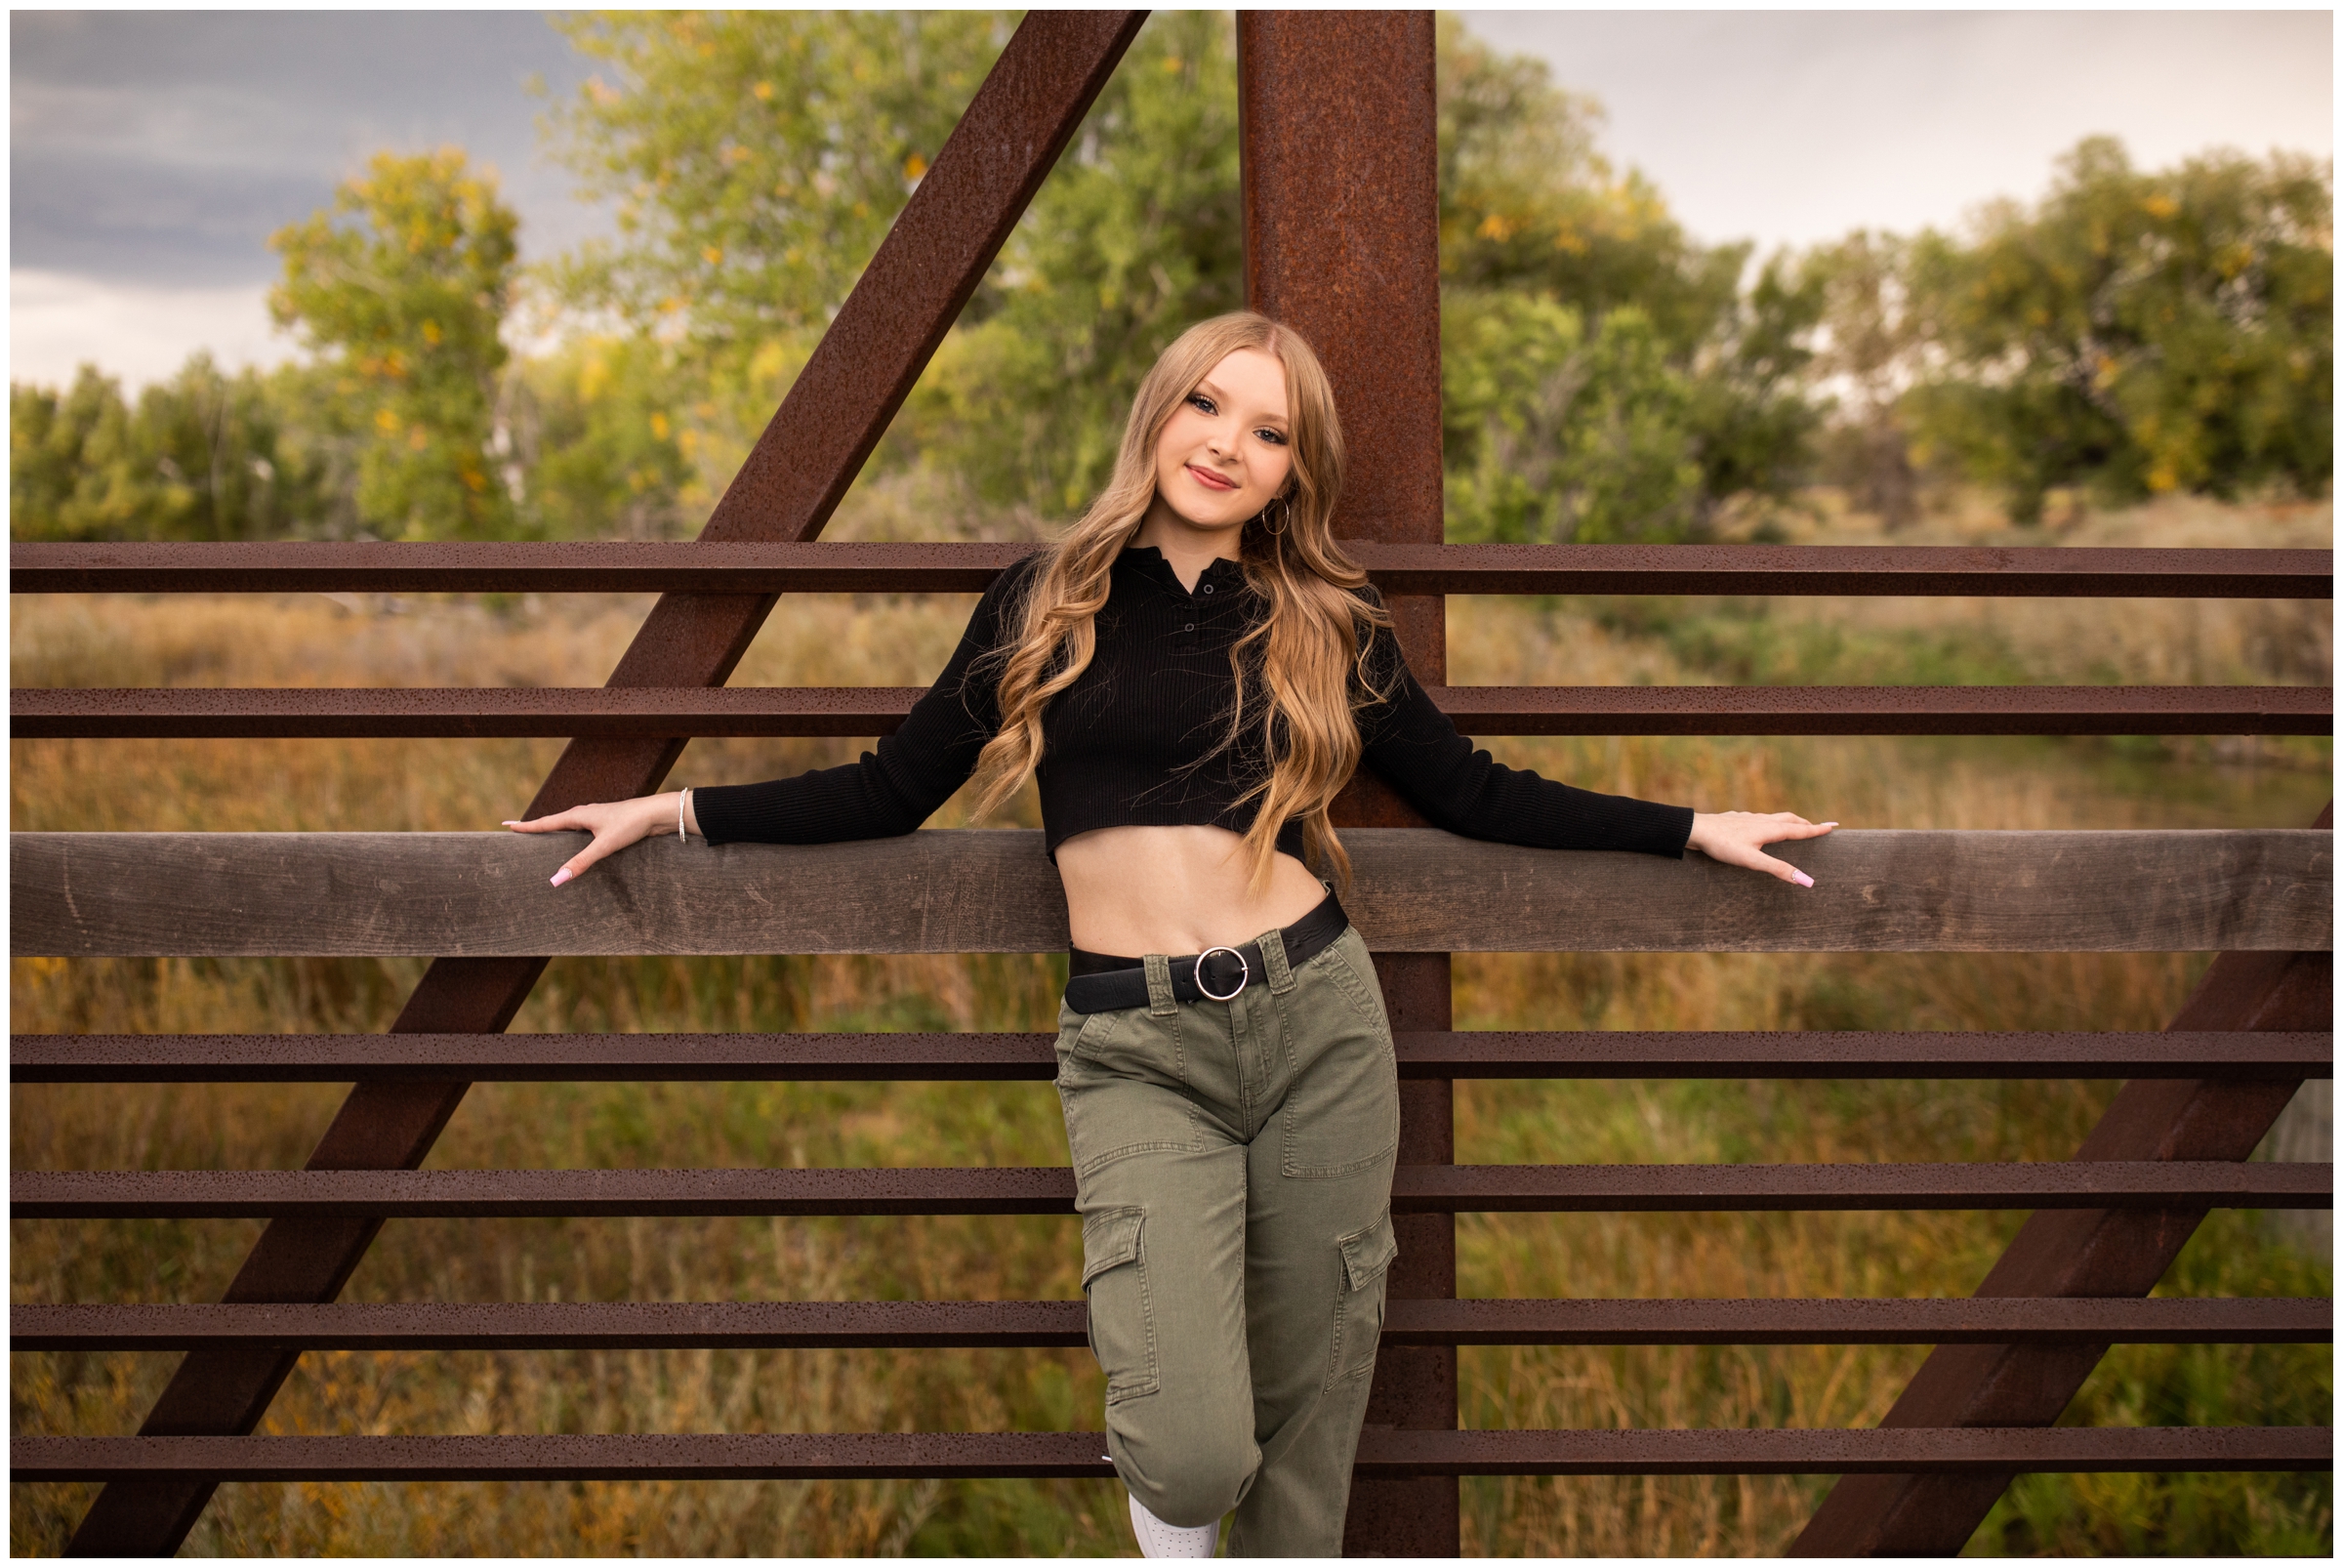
[{"x": 141, "y": 333}]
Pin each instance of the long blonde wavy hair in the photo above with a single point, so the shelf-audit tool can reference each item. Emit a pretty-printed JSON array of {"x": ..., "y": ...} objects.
[{"x": 1301, "y": 656}]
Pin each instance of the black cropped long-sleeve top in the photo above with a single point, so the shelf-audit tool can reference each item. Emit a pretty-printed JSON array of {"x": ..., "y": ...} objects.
[{"x": 1138, "y": 740}]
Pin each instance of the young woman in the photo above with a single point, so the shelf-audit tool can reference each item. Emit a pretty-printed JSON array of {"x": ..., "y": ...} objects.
[{"x": 1191, "y": 674}]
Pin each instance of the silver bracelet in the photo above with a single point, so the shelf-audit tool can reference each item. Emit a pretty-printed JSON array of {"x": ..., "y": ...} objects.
[{"x": 680, "y": 796}]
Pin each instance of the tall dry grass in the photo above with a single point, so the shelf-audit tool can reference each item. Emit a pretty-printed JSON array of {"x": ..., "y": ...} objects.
[{"x": 126, "y": 785}]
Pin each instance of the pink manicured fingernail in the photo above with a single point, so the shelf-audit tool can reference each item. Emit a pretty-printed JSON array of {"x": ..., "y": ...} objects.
[
  {"x": 1799, "y": 877},
  {"x": 561, "y": 875},
  {"x": 511, "y": 824},
  {"x": 1829, "y": 824}
]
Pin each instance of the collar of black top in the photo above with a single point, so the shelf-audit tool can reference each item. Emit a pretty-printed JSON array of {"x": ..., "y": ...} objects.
[
  {"x": 1101, "y": 983},
  {"x": 1149, "y": 563}
]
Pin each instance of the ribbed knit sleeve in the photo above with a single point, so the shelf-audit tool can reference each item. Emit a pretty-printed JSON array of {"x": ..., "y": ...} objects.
[
  {"x": 893, "y": 790},
  {"x": 1418, "y": 749}
]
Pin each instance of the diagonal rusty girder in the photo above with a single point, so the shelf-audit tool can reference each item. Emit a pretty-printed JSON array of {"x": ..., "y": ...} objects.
[
  {"x": 2086, "y": 1252},
  {"x": 933, "y": 260}
]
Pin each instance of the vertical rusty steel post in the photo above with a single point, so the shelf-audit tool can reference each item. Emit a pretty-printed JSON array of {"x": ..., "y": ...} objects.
[
  {"x": 2080, "y": 1251},
  {"x": 1341, "y": 240},
  {"x": 931, "y": 262}
]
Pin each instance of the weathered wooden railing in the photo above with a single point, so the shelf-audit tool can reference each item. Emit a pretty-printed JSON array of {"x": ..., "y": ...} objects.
[
  {"x": 480, "y": 896},
  {"x": 1338, "y": 209}
]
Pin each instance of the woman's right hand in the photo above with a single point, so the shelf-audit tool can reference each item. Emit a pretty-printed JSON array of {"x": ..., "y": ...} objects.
[{"x": 613, "y": 824}]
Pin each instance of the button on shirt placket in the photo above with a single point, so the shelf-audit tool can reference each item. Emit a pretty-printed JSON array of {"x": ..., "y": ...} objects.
[{"x": 1188, "y": 611}]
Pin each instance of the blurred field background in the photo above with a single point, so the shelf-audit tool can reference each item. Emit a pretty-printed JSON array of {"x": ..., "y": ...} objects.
[{"x": 352, "y": 785}]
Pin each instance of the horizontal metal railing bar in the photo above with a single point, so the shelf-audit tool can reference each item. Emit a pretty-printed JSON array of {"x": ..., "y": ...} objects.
[
  {"x": 475, "y": 713},
  {"x": 623, "y": 567},
  {"x": 1004, "y": 1057},
  {"x": 1863, "y": 1054},
  {"x": 1049, "y": 1189},
  {"x": 1383, "y": 1453},
  {"x": 1021, "y": 1325}
]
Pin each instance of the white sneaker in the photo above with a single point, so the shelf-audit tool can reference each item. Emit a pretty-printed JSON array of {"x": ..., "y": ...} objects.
[{"x": 1159, "y": 1540}]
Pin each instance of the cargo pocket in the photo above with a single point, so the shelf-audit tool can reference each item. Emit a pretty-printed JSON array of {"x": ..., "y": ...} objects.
[
  {"x": 1367, "y": 1257},
  {"x": 1114, "y": 1277}
]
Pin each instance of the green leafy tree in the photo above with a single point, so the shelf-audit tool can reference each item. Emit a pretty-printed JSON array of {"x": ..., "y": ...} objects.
[
  {"x": 72, "y": 468},
  {"x": 599, "y": 440},
  {"x": 2141, "y": 332},
  {"x": 400, "y": 288},
  {"x": 756, "y": 158},
  {"x": 1530, "y": 210},
  {"x": 1555, "y": 433},
  {"x": 201, "y": 456},
  {"x": 1529, "y": 203},
  {"x": 1137, "y": 235},
  {"x": 1752, "y": 414},
  {"x": 1870, "y": 353}
]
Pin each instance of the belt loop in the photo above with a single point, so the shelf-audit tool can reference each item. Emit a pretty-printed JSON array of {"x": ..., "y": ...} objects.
[
  {"x": 1161, "y": 1003},
  {"x": 1274, "y": 965}
]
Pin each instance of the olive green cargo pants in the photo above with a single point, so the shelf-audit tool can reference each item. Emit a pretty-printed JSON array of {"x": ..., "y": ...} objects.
[{"x": 1233, "y": 1168}]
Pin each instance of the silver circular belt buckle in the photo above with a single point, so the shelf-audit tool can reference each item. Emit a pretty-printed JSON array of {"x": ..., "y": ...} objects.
[{"x": 1243, "y": 974}]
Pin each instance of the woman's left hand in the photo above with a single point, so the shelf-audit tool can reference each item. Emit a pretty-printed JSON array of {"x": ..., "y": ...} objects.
[{"x": 1740, "y": 838}]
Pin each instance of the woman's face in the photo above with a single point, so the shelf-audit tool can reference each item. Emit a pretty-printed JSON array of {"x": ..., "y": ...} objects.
[{"x": 1224, "y": 456}]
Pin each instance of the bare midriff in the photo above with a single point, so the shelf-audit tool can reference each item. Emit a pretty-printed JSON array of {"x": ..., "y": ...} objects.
[{"x": 1135, "y": 890}]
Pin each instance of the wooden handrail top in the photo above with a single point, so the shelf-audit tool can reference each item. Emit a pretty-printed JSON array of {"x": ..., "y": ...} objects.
[{"x": 482, "y": 894}]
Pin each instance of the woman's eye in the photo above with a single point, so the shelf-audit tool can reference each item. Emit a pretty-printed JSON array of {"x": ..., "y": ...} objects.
[
  {"x": 1271, "y": 436},
  {"x": 1201, "y": 403}
]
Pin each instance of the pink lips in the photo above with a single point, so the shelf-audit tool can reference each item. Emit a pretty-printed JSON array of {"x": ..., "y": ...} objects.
[{"x": 1208, "y": 480}]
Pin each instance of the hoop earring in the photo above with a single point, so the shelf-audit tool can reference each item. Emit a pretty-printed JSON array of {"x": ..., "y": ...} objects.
[{"x": 1285, "y": 514}]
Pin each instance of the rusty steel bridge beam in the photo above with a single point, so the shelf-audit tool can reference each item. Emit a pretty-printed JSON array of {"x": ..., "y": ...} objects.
[
  {"x": 929, "y": 264},
  {"x": 1341, "y": 240}
]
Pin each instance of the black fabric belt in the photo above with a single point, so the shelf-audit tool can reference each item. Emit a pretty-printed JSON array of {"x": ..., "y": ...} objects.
[{"x": 1099, "y": 983}]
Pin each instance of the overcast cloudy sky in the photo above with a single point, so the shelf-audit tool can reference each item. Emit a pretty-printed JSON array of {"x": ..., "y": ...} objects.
[{"x": 153, "y": 153}]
